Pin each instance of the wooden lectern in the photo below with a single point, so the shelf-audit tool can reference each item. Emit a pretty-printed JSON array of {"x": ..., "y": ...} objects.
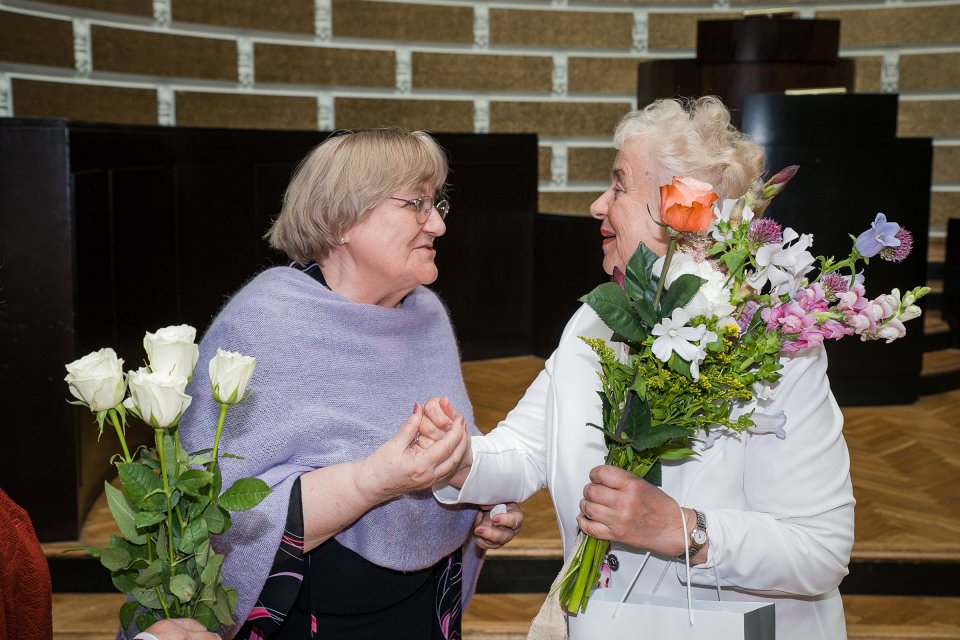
[{"x": 736, "y": 58}]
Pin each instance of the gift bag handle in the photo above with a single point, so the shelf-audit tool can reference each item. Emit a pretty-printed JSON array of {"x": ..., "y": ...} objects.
[{"x": 686, "y": 558}]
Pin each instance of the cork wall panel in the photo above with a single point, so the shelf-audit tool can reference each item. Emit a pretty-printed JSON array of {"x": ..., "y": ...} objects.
[
  {"x": 574, "y": 203},
  {"x": 868, "y": 72},
  {"x": 84, "y": 102},
  {"x": 907, "y": 25},
  {"x": 544, "y": 161},
  {"x": 482, "y": 72},
  {"x": 557, "y": 118},
  {"x": 678, "y": 30},
  {"x": 324, "y": 65},
  {"x": 295, "y": 16},
  {"x": 589, "y": 164},
  {"x": 142, "y": 8},
  {"x": 34, "y": 40},
  {"x": 943, "y": 206},
  {"x": 561, "y": 28},
  {"x": 243, "y": 111},
  {"x": 930, "y": 72},
  {"x": 162, "y": 54},
  {"x": 946, "y": 164},
  {"x": 929, "y": 118},
  {"x": 428, "y": 115},
  {"x": 602, "y": 75},
  {"x": 399, "y": 21}
]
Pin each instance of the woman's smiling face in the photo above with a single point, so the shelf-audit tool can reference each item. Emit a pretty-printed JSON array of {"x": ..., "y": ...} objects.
[{"x": 629, "y": 208}]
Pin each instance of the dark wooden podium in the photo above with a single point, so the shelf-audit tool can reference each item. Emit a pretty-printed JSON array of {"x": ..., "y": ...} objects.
[
  {"x": 736, "y": 58},
  {"x": 852, "y": 166}
]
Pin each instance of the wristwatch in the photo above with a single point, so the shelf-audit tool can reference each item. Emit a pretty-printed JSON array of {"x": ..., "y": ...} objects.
[{"x": 698, "y": 537}]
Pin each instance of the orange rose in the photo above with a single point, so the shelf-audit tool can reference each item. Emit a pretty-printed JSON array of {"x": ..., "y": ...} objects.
[{"x": 687, "y": 204}]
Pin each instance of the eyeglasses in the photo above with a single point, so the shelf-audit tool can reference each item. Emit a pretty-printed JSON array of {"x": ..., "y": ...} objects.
[{"x": 424, "y": 206}]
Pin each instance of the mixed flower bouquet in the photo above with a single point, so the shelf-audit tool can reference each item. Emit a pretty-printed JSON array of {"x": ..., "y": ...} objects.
[
  {"x": 703, "y": 328},
  {"x": 170, "y": 502}
]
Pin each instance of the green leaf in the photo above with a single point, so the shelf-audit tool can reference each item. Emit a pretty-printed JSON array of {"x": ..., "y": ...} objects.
[
  {"x": 148, "y": 598},
  {"x": 144, "y": 620},
  {"x": 194, "y": 533},
  {"x": 214, "y": 519},
  {"x": 680, "y": 293},
  {"x": 114, "y": 557},
  {"x": 655, "y": 475},
  {"x": 638, "y": 280},
  {"x": 183, "y": 587},
  {"x": 221, "y": 608},
  {"x": 679, "y": 365},
  {"x": 245, "y": 493},
  {"x": 636, "y": 417},
  {"x": 677, "y": 453},
  {"x": 198, "y": 506},
  {"x": 211, "y": 572},
  {"x": 193, "y": 481},
  {"x": 152, "y": 575},
  {"x": 613, "y": 307},
  {"x": 148, "y": 518},
  {"x": 124, "y": 582},
  {"x": 139, "y": 482},
  {"x": 644, "y": 309},
  {"x": 127, "y": 611},
  {"x": 657, "y": 436},
  {"x": 205, "y": 616},
  {"x": 123, "y": 513}
]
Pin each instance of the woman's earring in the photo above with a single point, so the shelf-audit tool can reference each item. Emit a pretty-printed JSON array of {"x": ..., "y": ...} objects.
[{"x": 343, "y": 240}]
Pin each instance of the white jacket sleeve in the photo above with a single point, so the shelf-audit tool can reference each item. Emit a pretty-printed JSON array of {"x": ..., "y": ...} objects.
[
  {"x": 510, "y": 462},
  {"x": 796, "y": 532}
]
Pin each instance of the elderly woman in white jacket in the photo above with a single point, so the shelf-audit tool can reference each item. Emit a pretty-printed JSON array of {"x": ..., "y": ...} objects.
[{"x": 777, "y": 510}]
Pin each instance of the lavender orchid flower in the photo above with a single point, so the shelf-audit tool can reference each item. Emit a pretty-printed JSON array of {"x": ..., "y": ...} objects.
[{"x": 880, "y": 234}]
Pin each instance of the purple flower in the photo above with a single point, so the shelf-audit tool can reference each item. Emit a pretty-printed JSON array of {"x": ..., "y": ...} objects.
[
  {"x": 833, "y": 285},
  {"x": 749, "y": 309},
  {"x": 765, "y": 231},
  {"x": 898, "y": 253},
  {"x": 880, "y": 234}
]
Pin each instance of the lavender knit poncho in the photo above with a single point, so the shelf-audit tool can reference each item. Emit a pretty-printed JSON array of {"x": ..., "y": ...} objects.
[{"x": 334, "y": 380}]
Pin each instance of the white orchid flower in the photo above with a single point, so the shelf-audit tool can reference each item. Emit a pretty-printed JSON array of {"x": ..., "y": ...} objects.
[
  {"x": 782, "y": 265},
  {"x": 722, "y": 212}
]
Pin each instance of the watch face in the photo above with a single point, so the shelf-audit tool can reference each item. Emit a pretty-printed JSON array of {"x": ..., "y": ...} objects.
[{"x": 699, "y": 536}]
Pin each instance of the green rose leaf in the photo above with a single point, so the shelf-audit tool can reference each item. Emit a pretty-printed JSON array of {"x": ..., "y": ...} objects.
[
  {"x": 147, "y": 518},
  {"x": 124, "y": 581},
  {"x": 183, "y": 587},
  {"x": 193, "y": 481},
  {"x": 114, "y": 557},
  {"x": 148, "y": 598},
  {"x": 144, "y": 620},
  {"x": 613, "y": 307},
  {"x": 244, "y": 494},
  {"x": 639, "y": 280},
  {"x": 127, "y": 611},
  {"x": 152, "y": 575},
  {"x": 205, "y": 616},
  {"x": 680, "y": 293},
  {"x": 214, "y": 518},
  {"x": 211, "y": 572},
  {"x": 194, "y": 533},
  {"x": 139, "y": 482},
  {"x": 221, "y": 607},
  {"x": 123, "y": 513}
]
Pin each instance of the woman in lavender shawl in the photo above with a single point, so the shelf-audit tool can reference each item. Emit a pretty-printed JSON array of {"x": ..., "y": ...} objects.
[{"x": 351, "y": 543}]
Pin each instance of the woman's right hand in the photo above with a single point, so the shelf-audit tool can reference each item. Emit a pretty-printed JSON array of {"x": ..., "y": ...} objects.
[
  {"x": 439, "y": 416},
  {"x": 402, "y": 465}
]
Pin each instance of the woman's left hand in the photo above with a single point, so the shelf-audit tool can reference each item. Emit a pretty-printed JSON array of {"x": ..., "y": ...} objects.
[
  {"x": 621, "y": 507},
  {"x": 493, "y": 533}
]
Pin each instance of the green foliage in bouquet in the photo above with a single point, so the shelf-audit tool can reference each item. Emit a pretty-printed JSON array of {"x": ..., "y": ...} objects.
[{"x": 170, "y": 502}]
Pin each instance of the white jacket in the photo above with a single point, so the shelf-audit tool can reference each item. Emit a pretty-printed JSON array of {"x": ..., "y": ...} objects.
[{"x": 779, "y": 511}]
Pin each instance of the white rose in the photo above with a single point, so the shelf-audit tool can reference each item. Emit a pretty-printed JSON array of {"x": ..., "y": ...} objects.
[
  {"x": 172, "y": 350},
  {"x": 159, "y": 398},
  {"x": 97, "y": 379},
  {"x": 713, "y": 297},
  {"x": 230, "y": 373}
]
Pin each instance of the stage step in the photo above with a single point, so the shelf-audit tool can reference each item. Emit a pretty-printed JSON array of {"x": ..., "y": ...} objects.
[{"x": 508, "y": 616}]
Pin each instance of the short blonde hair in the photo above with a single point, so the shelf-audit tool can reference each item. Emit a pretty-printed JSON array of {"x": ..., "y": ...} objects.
[
  {"x": 346, "y": 176},
  {"x": 694, "y": 138}
]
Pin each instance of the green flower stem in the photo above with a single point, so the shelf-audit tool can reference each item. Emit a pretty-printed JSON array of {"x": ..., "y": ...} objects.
[
  {"x": 123, "y": 441},
  {"x": 224, "y": 407},
  {"x": 671, "y": 245},
  {"x": 166, "y": 611},
  {"x": 158, "y": 436}
]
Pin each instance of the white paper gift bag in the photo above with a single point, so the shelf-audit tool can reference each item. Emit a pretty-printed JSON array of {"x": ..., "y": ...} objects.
[{"x": 646, "y": 616}]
